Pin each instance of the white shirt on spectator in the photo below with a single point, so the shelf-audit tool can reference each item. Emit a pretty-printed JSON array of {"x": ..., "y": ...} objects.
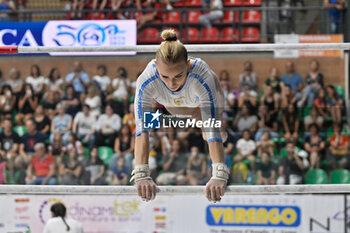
[
  {"x": 122, "y": 89},
  {"x": 246, "y": 146},
  {"x": 36, "y": 82},
  {"x": 94, "y": 104},
  {"x": 54, "y": 86},
  {"x": 308, "y": 120},
  {"x": 246, "y": 123},
  {"x": 113, "y": 122},
  {"x": 56, "y": 225},
  {"x": 103, "y": 81},
  {"x": 85, "y": 123}
]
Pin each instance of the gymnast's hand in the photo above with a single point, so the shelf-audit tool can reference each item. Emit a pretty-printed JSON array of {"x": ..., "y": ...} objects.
[
  {"x": 146, "y": 189},
  {"x": 215, "y": 189}
]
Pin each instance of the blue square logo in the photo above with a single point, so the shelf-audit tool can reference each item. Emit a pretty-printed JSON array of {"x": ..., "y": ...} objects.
[{"x": 151, "y": 120}]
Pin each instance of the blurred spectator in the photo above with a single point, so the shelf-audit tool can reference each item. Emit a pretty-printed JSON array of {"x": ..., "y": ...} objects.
[
  {"x": 274, "y": 81},
  {"x": 265, "y": 145},
  {"x": 196, "y": 169},
  {"x": 155, "y": 15},
  {"x": 313, "y": 83},
  {"x": 129, "y": 119},
  {"x": 15, "y": 81},
  {"x": 77, "y": 7},
  {"x": 191, "y": 137},
  {"x": 71, "y": 170},
  {"x": 321, "y": 103},
  {"x": 229, "y": 96},
  {"x": 248, "y": 78},
  {"x": 267, "y": 123},
  {"x": 174, "y": 166},
  {"x": 266, "y": 170},
  {"x": 120, "y": 87},
  {"x": 124, "y": 147},
  {"x": 6, "y": 6},
  {"x": 293, "y": 79},
  {"x": 291, "y": 122},
  {"x": 314, "y": 145},
  {"x": 339, "y": 148},
  {"x": 55, "y": 82},
  {"x": 83, "y": 126},
  {"x": 37, "y": 81},
  {"x": 120, "y": 172},
  {"x": 245, "y": 150},
  {"x": 313, "y": 118},
  {"x": 78, "y": 78},
  {"x": 107, "y": 127},
  {"x": 57, "y": 149},
  {"x": 43, "y": 165},
  {"x": 73, "y": 142},
  {"x": 29, "y": 139},
  {"x": 93, "y": 99},
  {"x": 50, "y": 100},
  {"x": 101, "y": 78},
  {"x": 7, "y": 102},
  {"x": 3, "y": 178},
  {"x": 287, "y": 97},
  {"x": 271, "y": 100},
  {"x": 71, "y": 101},
  {"x": 335, "y": 14},
  {"x": 9, "y": 144},
  {"x": 61, "y": 124},
  {"x": 291, "y": 168},
  {"x": 42, "y": 122},
  {"x": 247, "y": 96},
  {"x": 245, "y": 120},
  {"x": 215, "y": 13},
  {"x": 94, "y": 170},
  {"x": 335, "y": 104},
  {"x": 101, "y": 4},
  {"x": 28, "y": 101}
]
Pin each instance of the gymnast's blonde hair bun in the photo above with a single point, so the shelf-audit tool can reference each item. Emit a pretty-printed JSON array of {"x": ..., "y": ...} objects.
[{"x": 171, "y": 50}]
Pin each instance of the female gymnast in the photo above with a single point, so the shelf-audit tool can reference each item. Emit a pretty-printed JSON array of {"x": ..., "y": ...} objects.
[{"x": 184, "y": 86}]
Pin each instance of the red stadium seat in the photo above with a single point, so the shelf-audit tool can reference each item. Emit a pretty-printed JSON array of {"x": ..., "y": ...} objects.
[
  {"x": 250, "y": 35},
  {"x": 228, "y": 17},
  {"x": 149, "y": 35},
  {"x": 172, "y": 17},
  {"x": 193, "y": 3},
  {"x": 180, "y": 3},
  {"x": 252, "y": 2},
  {"x": 233, "y": 3},
  {"x": 251, "y": 16},
  {"x": 96, "y": 16},
  {"x": 193, "y": 16},
  {"x": 228, "y": 35},
  {"x": 192, "y": 35},
  {"x": 210, "y": 35}
]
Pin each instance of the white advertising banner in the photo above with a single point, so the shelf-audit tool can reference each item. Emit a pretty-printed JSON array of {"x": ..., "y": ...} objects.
[{"x": 178, "y": 214}]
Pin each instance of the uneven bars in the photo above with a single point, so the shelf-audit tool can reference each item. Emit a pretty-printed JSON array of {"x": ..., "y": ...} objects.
[
  {"x": 172, "y": 190},
  {"x": 190, "y": 48}
]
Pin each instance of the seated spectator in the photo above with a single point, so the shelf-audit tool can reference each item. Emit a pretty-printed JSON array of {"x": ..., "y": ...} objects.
[
  {"x": 291, "y": 122},
  {"x": 335, "y": 104},
  {"x": 174, "y": 166},
  {"x": 100, "y": 4},
  {"x": 71, "y": 170},
  {"x": 293, "y": 79},
  {"x": 247, "y": 96},
  {"x": 265, "y": 145},
  {"x": 245, "y": 148},
  {"x": 191, "y": 137},
  {"x": 3, "y": 177},
  {"x": 339, "y": 148},
  {"x": 94, "y": 169},
  {"x": 43, "y": 165},
  {"x": 124, "y": 147},
  {"x": 120, "y": 172},
  {"x": 77, "y": 7},
  {"x": 42, "y": 122},
  {"x": 71, "y": 101},
  {"x": 101, "y": 78},
  {"x": 55, "y": 82},
  {"x": 274, "y": 81},
  {"x": 93, "y": 99},
  {"x": 321, "y": 103},
  {"x": 271, "y": 100},
  {"x": 314, "y": 145},
  {"x": 267, "y": 123},
  {"x": 335, "y": 14},
  {"x": 248, "y": 78},
  {"x": 15, "y": 81},
  {"x": 313, "y": 83},
  {"x": 78, "y": 79},
  {"x": 313, "y": 118},
  {"x": 230, "y": 98},
  {"x": 29, "y": 139},
  {"x": 215, "y": 13},
  {"x": 7, "y": 6},
  {"x": 287, "y": 97},
  {"x": 7, "y": 102},
  {"x": 292, "y": 167},
  {"x": 129, "y": 119},
  {"x": 266, "y": 170},
  {"x": 73, "y": 142},
  {"x": 245, "y": 120},
  {"x": 9, "y": 144},
  {"x": 120, "y": 87},
  {"x": 83, "y": 126},
  {"x": 56, "y": 149},
  {"x": 61, "y": 124},
  {"x": 37, "y": 81},
  {"x": 196, "y": 168},
  {"x": 28, "y": 101},
  {"x": 107, "y": 127},
  {"x": 153, "y": 15}
]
